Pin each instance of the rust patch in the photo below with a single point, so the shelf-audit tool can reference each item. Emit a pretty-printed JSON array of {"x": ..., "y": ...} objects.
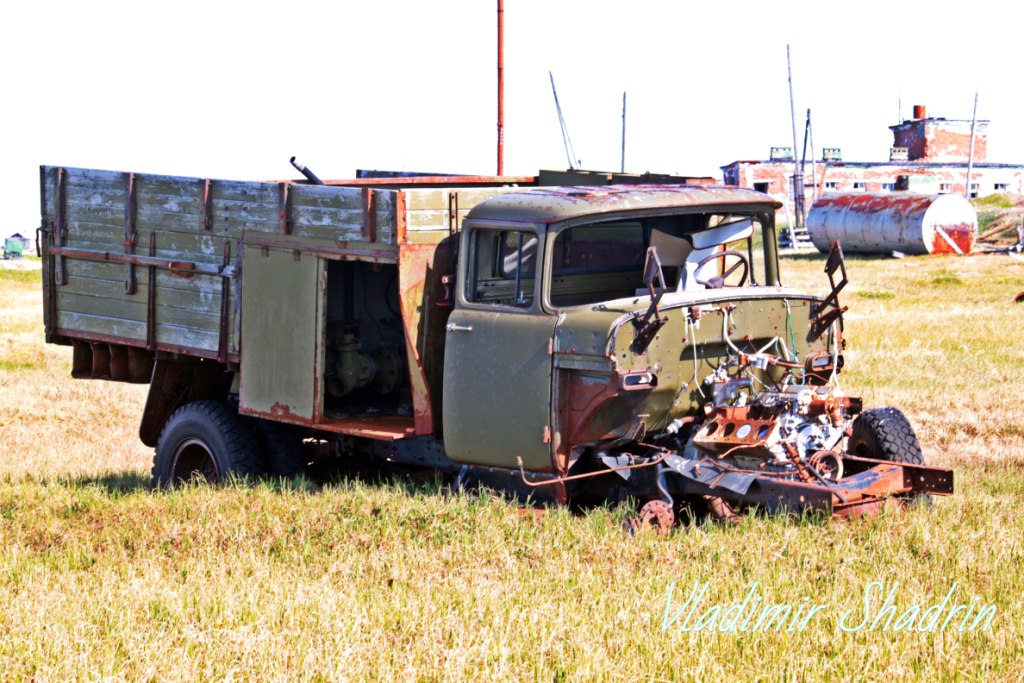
[
  {"x": 962, "y": 234},
  {"x": 585, "y": 396},
  {"x": 281, "y": 410}
]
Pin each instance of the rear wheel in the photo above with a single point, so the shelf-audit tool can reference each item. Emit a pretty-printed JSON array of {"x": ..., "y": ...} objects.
[
  {"x": 281, "y": 445},
  {"x": 207, "y": 440}
]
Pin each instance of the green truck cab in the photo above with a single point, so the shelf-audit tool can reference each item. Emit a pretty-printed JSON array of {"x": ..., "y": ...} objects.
[{"x": 573, "y": 336}]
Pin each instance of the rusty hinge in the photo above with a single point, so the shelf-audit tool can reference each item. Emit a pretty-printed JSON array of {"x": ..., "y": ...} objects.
[
  {"x": 131, "y": 236},
  {"x": 60, "y": 229},
  {"x": 453, "y": 212},
  {"x": 225, "y": 309},
  {"x": 206, "y": 207},
  {"x": 369, "y": 215},
  {"x": 151, "y": 297},
  {"x": 447, "y": 292},
  {"x": 285, "y": 213}
]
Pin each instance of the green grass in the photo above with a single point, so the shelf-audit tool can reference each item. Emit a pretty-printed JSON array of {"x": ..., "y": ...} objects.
[
  {"x": 995, "y": 201},
  {"x": 20, "y": 277},
  {"x": 101, "y": 577},
  {"x": 869, "y": 294}
]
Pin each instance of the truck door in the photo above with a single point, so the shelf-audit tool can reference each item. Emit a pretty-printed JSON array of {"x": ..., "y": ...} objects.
[
  {"x": 280, "y": 330},
  {"x": 497, "y": 364}
]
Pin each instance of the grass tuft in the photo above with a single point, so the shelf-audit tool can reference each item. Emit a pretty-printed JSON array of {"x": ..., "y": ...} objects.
[{"x": 868, "y": 294}]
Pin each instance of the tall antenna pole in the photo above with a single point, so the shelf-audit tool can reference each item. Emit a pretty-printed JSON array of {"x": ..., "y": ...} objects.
[
  {"x": 622, "y": 167},
  {"x": 814, "y": 167},
  {"x": 798, "y": 175},
  {"x": 970, "y": 159},
  {"x": 501, "y": 87},
  {"x": 570, "y": 153}
]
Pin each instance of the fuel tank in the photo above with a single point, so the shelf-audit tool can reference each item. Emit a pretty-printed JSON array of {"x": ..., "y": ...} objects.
[{"x": 884, "y": 222}]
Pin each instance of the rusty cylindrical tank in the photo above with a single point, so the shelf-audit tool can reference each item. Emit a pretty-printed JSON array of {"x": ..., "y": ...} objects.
[{"x": 884, "y": 222}]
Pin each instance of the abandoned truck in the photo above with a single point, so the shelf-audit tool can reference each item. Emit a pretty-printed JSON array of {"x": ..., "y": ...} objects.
[{"x": 582, "y": 336}]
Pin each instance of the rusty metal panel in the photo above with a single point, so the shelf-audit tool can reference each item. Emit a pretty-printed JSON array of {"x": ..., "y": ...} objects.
[
  {"x": 421, "y": 267},
  {"x": 281, "y": 335}
]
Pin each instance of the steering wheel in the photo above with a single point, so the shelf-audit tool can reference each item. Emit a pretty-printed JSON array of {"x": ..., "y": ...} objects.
[{"x": 719, "y": 280}]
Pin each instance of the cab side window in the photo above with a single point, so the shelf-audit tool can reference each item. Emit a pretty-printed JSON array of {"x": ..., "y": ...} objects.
[{"x": 502, "y": 267}]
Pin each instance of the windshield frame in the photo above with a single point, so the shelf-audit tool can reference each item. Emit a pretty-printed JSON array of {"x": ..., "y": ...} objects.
[{"x": 763, "y": 216}]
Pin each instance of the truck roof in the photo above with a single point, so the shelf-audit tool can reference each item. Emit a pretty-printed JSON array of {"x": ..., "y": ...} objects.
[{"x": 553, "y": 204}]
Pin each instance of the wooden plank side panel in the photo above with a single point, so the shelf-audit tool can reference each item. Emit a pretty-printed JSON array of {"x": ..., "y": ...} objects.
[
  {"x": 245, "y": 206},
  {"x": 100, "y": 270},
  {"x": 386, "y": 219},
  {"x": 341, "y": 225},
  {"x": 188, "y": 312},
  {"x": 338, "y": 213},
  {"x": 199, "y": 248},
  {"x": 188, "y": 337},
  {"x": 123, "y": 307},
  {"x": 95, "y": 208},
  {"x": 205, "y": 300},
  {"x": 104, "y": 220},
  {"x": 327, "y": 197},
  {"x": 429, "y": 209},
  {"x": 98, "y": 324},
  {"x": 84, "y": 274},
  {"x": 49, "y": 205},
  {"x": 195, "y": 319},
  {"x": 94, "y": 301},
  {"x": 428, "y": 220},
  {"x": 436, "y": 199}
]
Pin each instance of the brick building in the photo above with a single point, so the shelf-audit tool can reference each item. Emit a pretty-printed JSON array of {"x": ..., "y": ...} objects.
[{"x": 930, "y": 153}]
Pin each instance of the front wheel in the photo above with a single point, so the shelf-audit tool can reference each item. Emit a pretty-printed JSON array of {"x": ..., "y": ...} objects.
[
  {"x": 886, "y": 434},
  {"x": 207, "y": 440}
]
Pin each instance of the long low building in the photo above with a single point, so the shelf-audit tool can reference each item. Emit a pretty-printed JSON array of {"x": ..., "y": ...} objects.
[{"x": 929, "y": 155}]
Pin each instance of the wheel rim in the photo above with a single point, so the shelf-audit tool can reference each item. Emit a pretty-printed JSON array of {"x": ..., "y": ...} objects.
[{"x": 193, "y": 457}]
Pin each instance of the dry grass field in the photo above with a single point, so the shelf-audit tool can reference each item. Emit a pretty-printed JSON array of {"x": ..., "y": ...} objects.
[{"x": 103, "y": 578}]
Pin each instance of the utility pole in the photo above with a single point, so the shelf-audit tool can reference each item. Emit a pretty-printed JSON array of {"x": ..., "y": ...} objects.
[
  {"x": 798, "y": 171},
  {"x": 570, "y": 153},
  {"x": 501, "y": 87},
  {"x": 814, "y": 173},
  {"x": 622, "y": 167},
  {"x": 970, "y": 158}
]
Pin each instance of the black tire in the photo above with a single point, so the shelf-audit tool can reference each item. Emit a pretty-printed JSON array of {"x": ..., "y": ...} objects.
[
  {"x": 885, "y": 434},
  {"x": 281, "y": 446},
  {"x": 206, "y": 439}
]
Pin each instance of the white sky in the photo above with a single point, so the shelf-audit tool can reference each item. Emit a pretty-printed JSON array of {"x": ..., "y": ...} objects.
[{"x": 233, "y": 89}]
